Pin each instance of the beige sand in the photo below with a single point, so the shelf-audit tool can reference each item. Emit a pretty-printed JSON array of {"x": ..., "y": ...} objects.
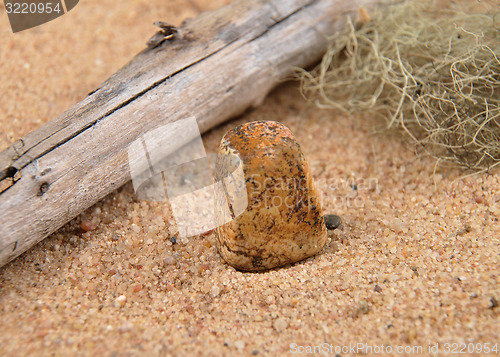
[{"x": 415, "y": 264}]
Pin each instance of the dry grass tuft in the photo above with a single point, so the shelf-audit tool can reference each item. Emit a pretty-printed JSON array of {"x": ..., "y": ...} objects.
[{"x": 436, "y": 78}]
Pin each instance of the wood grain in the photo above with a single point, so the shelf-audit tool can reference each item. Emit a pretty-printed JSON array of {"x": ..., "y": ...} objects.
[{"x": 218, "y": 65}]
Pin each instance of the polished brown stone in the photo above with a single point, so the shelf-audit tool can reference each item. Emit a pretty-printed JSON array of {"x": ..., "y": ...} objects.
[{"x": 283, "y": 222}]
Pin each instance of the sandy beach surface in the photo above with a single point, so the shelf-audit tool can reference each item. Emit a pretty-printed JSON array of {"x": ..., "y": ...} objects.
[{"x": 413, "y": 270}]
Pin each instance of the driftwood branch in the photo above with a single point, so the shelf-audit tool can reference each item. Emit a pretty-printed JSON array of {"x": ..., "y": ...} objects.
[{"x": 213, "y": 68}]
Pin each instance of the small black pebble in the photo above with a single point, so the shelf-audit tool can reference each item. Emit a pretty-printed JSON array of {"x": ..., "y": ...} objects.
[
  {"x": 390, "y": 325},
  {"x": 332, "y": 221},
  {"x": 173, "y": 240},
  {"x": 255, "y": 352},
  {"x": 354, "y": 187},
  {"x": 377, "y": 289},
  {"x": 226, "y": 344}
]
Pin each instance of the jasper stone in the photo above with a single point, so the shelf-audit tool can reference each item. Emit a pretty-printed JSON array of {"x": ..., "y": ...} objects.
[{"x": 281, "y": 221}]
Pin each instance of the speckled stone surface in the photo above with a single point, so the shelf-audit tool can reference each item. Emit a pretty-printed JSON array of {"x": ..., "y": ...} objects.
[{"x": 283, "y": 221}]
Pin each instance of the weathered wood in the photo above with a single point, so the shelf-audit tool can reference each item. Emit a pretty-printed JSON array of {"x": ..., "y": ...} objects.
[{"x": 215, "y": 67}]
